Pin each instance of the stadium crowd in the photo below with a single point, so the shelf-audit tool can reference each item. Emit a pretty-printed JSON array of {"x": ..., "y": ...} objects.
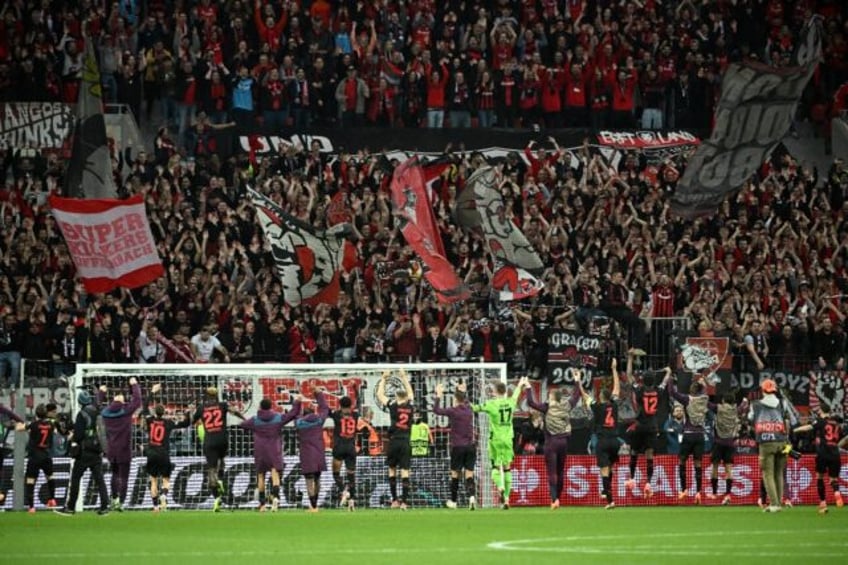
[{"x": 767, "y": 270}]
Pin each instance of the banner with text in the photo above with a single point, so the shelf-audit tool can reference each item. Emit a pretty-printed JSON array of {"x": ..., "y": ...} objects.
[
  {"x": 38, "y": 125},
  {"x": 583, "y": 482},
  {"x": 109, "y": 240},
  {"x": 568, "y": 350},
  {"x": 755, "y": 112}
]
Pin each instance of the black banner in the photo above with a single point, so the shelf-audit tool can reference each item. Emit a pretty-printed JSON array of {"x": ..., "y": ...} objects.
[
  {"x": 39, "y": 125},
  {"x": 570, "y": 350}
]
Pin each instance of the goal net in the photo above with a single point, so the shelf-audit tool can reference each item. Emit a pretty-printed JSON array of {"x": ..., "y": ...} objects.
[{"x": 244, "y": 386}]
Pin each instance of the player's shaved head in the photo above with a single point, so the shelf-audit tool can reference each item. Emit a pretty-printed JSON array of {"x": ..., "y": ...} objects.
[
  {"x": 346, "y": 402},
  {"x": 265, "y": 404},
  {"x": 160, "y": 410}
]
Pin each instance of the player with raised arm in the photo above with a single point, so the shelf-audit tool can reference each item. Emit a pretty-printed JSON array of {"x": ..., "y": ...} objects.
[
  {"x": 212, "y": 414},
  {"x": 345, "y": 421},
  {"x": 463, "y": 451},
  {"x": 310, "y": 436},
  {"x": 500, "y": 411},
  {"x": 605, "y": 420},
  {"x": 158, "y": 452},
  {"x": 830, "y": 438},
  {"x": 556, "y": 413},
  {"x": 646, "y": 429},
  {"x": 267, "y": 427},
  {"x": 118, "y": 422},
  {"x": 399, "y": 453},
  {"x": 695, "y": 407},
  {"x": 728, "y": 418},
  {"x": 41, "y": 432}
]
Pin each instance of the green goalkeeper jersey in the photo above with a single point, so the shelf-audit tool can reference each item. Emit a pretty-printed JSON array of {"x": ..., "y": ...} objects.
[{"x": 500, "y": 412}]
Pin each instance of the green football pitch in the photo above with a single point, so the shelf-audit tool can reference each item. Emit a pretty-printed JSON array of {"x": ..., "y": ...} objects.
[{"x": 427, "y": 537}]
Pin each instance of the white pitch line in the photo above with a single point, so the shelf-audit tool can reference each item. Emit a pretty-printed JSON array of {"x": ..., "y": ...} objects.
[{"x": 237, "y": 553}]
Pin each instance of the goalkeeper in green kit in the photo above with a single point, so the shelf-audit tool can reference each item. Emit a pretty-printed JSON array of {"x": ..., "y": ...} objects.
[{"x": 500, "y": 411}]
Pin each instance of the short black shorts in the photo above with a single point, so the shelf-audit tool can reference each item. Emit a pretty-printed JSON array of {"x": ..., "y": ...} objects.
[
  {"x": 642, "y": 439},
  {"x": 606, "y": 452},
  {"x": 159, "y": 466},
  {"x": 464, "y": 457},
  {"x": 692, "y": 444},
  {"x": 722, "y": 454},
  {"x": 38, "y": 462},
  {"x": 214, "y": 452},
  {"x": 828, "y": 463},
  {"x": 399, "y": 453},
  {"x": 347, "y": 454}
]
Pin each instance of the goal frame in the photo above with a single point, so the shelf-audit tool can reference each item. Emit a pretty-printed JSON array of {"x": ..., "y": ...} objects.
[{"x": 86, "y": 375}]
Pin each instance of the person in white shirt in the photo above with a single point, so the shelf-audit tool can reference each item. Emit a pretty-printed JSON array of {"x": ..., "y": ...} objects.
[
  {"x": 149, "y": 348},
  {"x": 205, "y": 344}
]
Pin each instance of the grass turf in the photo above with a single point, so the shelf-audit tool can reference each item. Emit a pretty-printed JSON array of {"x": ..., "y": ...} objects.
[{"x": 520, "y": 535}]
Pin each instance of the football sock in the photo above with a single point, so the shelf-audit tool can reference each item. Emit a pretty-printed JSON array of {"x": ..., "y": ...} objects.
[
  {"x": 393, "y": 487},
  {"x": 275, "y": 491},
  {"x": 834, "y": 484},
  {"x": 820, "y": 488},
  {"x": 649, "y": 468},
  {"x": 470, "y": 489},
  {"x": 763, "y": 495},
  {"x": 634, "y": 460},
  {"x": 454, "y": 488},
  {"x": 351, "y": 483},
  {"x": 262, "y": 497},
  {"x": 313, "y": 500},
  {"x": 404, "y": 490},
  {"x": 728, "y": 485},
  {"x": 507, "y": 484},
  {"x": 498, "y": 479},
  {"x": 553, "y": 485},
  {"x": 29, "y": 495},
  {"x": 337, "y": 477},
  {"x": 606, "y": 485},
  {"x": 51, "y": 489},
  {"x": 699, "y": 478},
  {"x": 681, "y": 472},
  {"x": 714, "y": 484}
]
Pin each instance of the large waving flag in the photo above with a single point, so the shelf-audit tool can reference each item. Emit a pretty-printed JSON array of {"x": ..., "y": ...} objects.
[
  {"x": 480, "y": 205},
  {"x": 754, "y": 113},
  {"x": 110, "y": 241},
  {"x": 418, "y": 225},
  {"x": 308, "y": 260},
  {"x": 90, "y": 169}
]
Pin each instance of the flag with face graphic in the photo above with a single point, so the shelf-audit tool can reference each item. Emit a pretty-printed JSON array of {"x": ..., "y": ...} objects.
[
  {"x": 418, "y": 225},
  {"x": 308, "y": 260},
  {"x": 480, "y": 206}
]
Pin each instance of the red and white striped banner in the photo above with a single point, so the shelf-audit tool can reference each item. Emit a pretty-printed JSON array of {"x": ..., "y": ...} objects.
[{"x": 109, "y": 240}]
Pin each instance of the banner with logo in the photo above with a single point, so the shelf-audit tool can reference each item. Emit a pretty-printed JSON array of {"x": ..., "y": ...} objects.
[
  {"x": 39, "y": 125},
  {"x": 110, "y": 241},
  {"x": 308, "y": 260},
  {"x": 583, "y": 482},
  {"x": 708, "y": 358},
  {"x": 647, "y": 139},
  {"x": 754, "y": 113},
  {"x": 432, "y": 487},
  {"x": 827, "y": 392}
]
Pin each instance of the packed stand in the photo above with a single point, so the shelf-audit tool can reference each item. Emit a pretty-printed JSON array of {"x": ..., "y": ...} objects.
[
  {"x": 267, "y": 65},
  {"x": 768, "y": 270}
]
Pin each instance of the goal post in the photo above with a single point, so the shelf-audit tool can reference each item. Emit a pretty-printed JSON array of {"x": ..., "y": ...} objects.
[{"x": 243, "y": 386}]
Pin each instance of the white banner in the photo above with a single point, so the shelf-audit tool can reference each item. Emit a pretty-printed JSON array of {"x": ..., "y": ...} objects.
[{"x": 110, "y": 241}]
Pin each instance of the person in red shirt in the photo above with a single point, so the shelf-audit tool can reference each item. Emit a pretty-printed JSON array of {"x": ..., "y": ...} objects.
[
  {"x": 485, "y": 97},
  {"x": 552, "y": 81},
  {"x": 436, "y": 83},
  {"x": 623, "y": 103},
  {"x": 506, "y": 95}
]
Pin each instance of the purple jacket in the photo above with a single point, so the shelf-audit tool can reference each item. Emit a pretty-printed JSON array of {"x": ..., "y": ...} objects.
[
  {"x": 266, "y": 427},
  {"x": 117, "y": 419},
  {"x": 461, "y": 422},
  {"x": 8, "y": 412},
  {"x": 310, "y": 435}
]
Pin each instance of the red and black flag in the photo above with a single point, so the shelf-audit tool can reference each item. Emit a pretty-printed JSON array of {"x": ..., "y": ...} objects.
[
  {"x": 418, "y": 224},
  {"x": 308, "y": 260}
]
